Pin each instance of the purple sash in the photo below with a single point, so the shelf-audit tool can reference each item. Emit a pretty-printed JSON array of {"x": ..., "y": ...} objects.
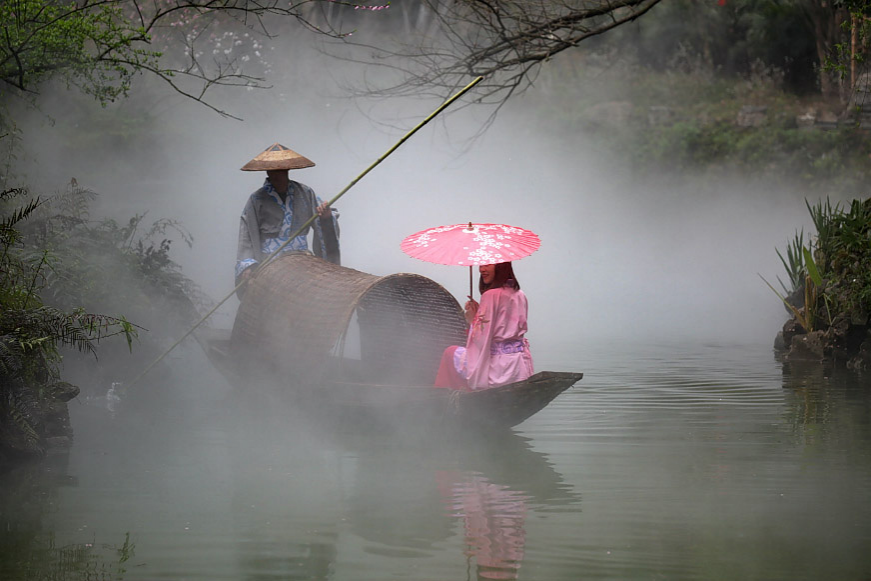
[{"x": 507, "y": 347}]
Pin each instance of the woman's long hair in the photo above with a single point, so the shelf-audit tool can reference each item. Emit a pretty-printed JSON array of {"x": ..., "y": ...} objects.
[{"x": 503, "y": 276}]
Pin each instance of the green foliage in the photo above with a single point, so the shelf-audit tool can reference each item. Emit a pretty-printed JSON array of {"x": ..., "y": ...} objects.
[
  {"x": 104, "y": 266},
  {"x": 33, "y": 555},
  {"x": 824, "y": 217},
  {"x": 814, "y": 157},
  {"x": 90, "y": 44},
  {"x": 111, "y": 267},
  {"x": 729, "y": 38},
  {"x": 812, "y": 271},
  {"x": 836, "y": 264},
  {"x": 703, "y": 65},
  {"x": 99, "y": 46},
  {"x": 841, "y": 57},
  {"x": 800, "y": 314},
  {"x": 850, "y": 255},
  {"x": 30, "y": 329},
  {"x": 794, "y": 263},
  {"x": 806, "y": 311},
  {"x": 55, "y": 263}
]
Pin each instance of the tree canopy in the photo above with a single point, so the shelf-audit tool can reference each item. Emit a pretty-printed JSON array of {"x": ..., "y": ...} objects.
[
  {"x": 505, "y": 42},
  {"x": 818, "y": 46},
  {"x": 432, "y": 47},
  {"x": 98, "y": 46}
]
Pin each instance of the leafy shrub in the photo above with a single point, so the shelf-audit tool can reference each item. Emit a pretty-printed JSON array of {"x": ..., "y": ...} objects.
[
  {"x": 57, "y": 269},
  {"x": 31, "y": 333},
  {"x": 832, "y": 272}
]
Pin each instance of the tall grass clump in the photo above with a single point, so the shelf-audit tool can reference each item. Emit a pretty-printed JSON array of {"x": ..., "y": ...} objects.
[{"x": 830, "y": 281}]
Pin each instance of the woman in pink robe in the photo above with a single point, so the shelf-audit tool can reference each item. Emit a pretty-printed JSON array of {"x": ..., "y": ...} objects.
[{"x": 496, "y": 351}]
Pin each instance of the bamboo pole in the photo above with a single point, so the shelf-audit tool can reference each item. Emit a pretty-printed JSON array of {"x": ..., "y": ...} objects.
[{"x": 309, "y": 222}]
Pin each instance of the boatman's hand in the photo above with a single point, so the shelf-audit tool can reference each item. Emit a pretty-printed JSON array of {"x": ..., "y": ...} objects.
[
  {"x": 324, "y": 211},
  {"x": 471, "y": 310}
]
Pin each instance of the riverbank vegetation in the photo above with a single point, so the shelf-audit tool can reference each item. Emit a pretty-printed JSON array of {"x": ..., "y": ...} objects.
[
  {"x": 61, "y": 273},
  {"x": 706, "y": 91},
  {"x": 829, "y": 287},
  {"x": 687, "y": 125}
]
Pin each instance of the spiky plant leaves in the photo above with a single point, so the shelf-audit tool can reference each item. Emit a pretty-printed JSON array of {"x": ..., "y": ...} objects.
[
  {"x": 837, "y": 279},
  {"x": 9, "y": 193},
  {"x": 811, "y": 266},
  {"x": 796, "y": 312},
  {"x": 19, "y": 214},
  {"x": 130, "y": 332},
  {"x": 794, "y": 262}
]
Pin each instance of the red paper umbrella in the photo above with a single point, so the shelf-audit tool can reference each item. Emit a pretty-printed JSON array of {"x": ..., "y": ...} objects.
[{"x": 471, "y": 244}]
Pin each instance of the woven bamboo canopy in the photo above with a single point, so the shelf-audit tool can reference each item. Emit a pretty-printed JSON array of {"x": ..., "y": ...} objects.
[{"x": 295, "y": 315}]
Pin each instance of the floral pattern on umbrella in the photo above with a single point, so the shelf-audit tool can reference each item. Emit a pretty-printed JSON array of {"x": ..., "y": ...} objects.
[{"x": 471, "y": 244}]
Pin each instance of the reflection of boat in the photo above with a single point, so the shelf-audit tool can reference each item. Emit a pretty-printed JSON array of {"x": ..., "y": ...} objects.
[
  {"x": 367, "y": 491},
  {"x": 404, "y": 490},
  {"x": 355, "y": 341}
]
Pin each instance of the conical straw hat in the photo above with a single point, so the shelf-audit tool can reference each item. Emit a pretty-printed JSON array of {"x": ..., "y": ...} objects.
[{"x": 276, "y": 156}]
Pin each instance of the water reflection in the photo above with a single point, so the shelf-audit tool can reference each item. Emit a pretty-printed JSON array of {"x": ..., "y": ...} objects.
[
  {"x": 289, "y": 562},
  {"x": 414, "y": 495},
  {"x": 282, "y": 520},
  {"x": 30, "y": 550},
  {"x": 827, "y": 405},
  {"x": 246, "y": 488},
  {"x": 374, "y": 495},
  {"x": 493, "y": 516},
  {"x": 708, "y": 464}
]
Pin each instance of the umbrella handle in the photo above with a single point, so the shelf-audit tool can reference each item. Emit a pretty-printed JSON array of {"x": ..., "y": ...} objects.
[
  {"x": 470, "y": 281},
  {"x": 470, "y": 271}
]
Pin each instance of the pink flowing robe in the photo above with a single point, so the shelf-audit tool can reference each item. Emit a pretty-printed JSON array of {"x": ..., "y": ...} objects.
[{"x": 501, "y": 318}]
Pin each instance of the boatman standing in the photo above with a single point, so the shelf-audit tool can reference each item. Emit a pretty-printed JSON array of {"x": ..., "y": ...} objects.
[{"x": 278, "y": 209}]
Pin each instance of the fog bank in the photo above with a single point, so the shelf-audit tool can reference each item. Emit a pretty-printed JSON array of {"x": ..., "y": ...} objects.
[{"x": 619, "y": 259}]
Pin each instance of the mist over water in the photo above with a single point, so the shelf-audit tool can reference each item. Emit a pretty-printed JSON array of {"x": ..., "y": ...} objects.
[
  {"x": 683, "y": 428},
  {"x": 623, "y": 260},
  {"x": 619, "y": 258}
]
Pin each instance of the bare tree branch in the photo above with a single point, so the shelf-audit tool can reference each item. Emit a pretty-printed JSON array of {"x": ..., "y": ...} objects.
[
  {"x": 505, "y": 41},
  {"x": 99, "y": 45}
]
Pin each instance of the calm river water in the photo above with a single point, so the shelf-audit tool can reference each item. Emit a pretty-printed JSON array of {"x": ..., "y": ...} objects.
[{"x": 676, "y": 461}]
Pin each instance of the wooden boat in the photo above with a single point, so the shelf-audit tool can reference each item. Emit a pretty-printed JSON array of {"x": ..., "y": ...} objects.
[{"x": 347, "y": 341}]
